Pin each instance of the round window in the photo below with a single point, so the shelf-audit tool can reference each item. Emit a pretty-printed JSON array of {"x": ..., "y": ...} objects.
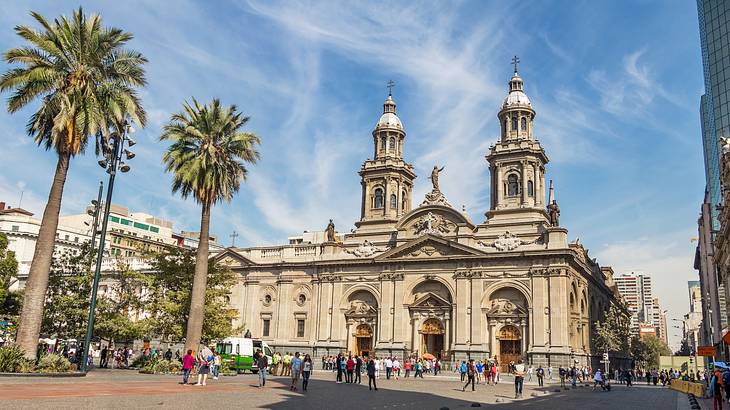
[
  {"x": 267, "y": 299},
  {"x": 302, "y": 298}
]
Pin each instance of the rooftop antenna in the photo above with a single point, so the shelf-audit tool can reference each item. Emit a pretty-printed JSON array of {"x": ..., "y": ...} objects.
[{"x": 21, "y": 199}]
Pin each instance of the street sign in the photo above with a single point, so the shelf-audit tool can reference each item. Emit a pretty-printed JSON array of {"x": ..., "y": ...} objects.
[
  {"x": 705, "y": 351},
  {"x": 605, "y": 356}
]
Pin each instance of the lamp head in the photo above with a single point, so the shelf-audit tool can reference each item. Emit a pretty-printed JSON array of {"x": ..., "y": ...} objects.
[
  {"x": 102, "y": 163},
  {"x": 124, "y": 167}
]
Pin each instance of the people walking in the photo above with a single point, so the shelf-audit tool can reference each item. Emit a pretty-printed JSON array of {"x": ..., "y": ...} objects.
[
  {"x": 462, "y": 370},
  {"x": 540, "y": 375},
  {"x": 340, "y": 364},
  {"x": 530, "y": 370},
  {"x": 350, "y": 367},
  {"x": 287, "y": 364},
  {"x": 371, "y": 375},
  {"x": 550, "y": 372},
  {"x": 519, "y": 370},
  {"x": 262, "y": 362},
  {"x": 408, "y": 367},
  {"x": 470, "y": 374},
  {"x": 358, "y": 369},
  {"x": 598, "y": 380},
  {"x": 296, "y": 371},
  {"x": 205, "y": 360},
  {"x": 716, "y": 390},
  {"x": 187, "y": 366},
  {"x": 388, "y": 367},
  {"x": 307, "y": 367}
]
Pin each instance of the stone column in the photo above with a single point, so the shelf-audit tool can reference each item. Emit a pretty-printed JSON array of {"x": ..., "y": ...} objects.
[
  {"x": 499, "y": 192},
  {"x": 385, "y": 321},
  {"x": 524, "y": 182},
  {"x": 535, "y": 184},
  {"x": 447, "y": 334},
  {"x": 525, "y": 338}
]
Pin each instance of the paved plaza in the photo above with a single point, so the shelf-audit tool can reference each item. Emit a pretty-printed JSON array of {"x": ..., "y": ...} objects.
[{"x": 118, "y": 389}]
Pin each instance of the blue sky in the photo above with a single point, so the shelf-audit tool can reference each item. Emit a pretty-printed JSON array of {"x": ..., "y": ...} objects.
[{"x": 616, "y": 87}]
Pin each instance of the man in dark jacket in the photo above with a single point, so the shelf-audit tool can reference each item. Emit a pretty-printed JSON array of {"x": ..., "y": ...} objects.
[
  {"x": 358, "y": 368},
  {"x": 262, "y": 362},
  {"x": 371, "y": 375}
]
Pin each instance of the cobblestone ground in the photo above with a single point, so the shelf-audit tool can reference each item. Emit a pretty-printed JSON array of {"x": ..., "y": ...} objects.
[{"x": 126, "y": 389}]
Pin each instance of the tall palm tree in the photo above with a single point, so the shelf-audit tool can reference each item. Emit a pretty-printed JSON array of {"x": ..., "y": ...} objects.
[
  {"x": 85, "y": 80},
  {"x": 208, "y": 158}
]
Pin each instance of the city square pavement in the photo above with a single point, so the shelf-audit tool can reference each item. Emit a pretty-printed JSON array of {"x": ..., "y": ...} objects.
[{"x": 127, "y": 389}]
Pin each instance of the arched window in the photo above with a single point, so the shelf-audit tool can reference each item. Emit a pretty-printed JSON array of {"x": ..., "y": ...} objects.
[
  {"x": 530, "y": 189},
  {"x": 382, "y": 143},
  {"x": 523, "y": 124},
  {"x": 393, "y": 201},
  {"x": 514, "y": 122},
  {"x": 504, "y": 127},
  {"x": 378, "y": 198},
  {"x": 403, "y": 200},
  {"x": 513, "y": 185},
  {"x": 391, "y": 144}
]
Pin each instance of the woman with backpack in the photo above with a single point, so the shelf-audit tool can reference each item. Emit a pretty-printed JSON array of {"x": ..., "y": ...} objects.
[{"x": 371, "y": 375}]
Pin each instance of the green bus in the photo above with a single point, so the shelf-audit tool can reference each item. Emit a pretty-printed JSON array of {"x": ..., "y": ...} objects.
[{"x": 239, "y": 352}]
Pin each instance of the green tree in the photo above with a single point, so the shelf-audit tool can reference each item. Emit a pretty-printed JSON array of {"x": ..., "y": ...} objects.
[
  {"x": 647, "y": 349},
  {"x": 169, "y": 297},
  {"x": 207, "y": 158},
  {"x": 8, "y": 267},
  {"x": 613, "y": 333},
  {"x": 119, "y": 309},
  {"x": 85, "y": 82}
]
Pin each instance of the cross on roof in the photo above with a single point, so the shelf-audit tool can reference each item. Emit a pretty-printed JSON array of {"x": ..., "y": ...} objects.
[
  {"x": 233, "y": 236},
  {"x": 391, "y": 84},
  {"x": 515, "y": 61}
]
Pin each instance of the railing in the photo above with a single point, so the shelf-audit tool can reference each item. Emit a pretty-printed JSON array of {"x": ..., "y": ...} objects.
[
  {"x": 305, "y": 251},
  {"x": 270, "y": 253}
]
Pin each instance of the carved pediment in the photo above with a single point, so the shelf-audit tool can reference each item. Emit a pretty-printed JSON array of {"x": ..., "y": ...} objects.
[
  {"x": 505, "y": 307},
  {"x": 430, "y": 301},
  {"x": 429, "y": 246},
  {"x": 229, "y": 257},
  {"x": 360, "y": 308}
]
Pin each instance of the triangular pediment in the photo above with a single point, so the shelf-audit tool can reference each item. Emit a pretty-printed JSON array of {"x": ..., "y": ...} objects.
[
  {"x": 430, "y": 300},
  {"x": 229, "y": 257},
  {"x": 429, "y": 246}
]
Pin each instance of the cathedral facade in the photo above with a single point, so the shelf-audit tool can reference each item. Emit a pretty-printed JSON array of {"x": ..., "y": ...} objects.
[{"x": 426, "y": 278}]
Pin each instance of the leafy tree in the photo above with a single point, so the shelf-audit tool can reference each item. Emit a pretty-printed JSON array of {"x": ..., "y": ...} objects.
[
  {"x": 613, "y": 333},
  {"x": 170, "y": 293},
  {"x": 207, "y": 159},
  {"x": 8, "y": 267},
  {"x": 85, "y": 82},
  {"x": 123, "y": 300},
  {"x": 647, "y": 349}
]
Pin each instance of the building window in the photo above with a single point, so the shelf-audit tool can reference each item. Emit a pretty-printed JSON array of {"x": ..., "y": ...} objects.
[
  {"x": 65, "y": 237},
  {"x": 504, "y": 127},
  {"x": 393, "y": 202},
  {"x": 302, "y": 298},
  {"x": 513, "y": 185},
  {"x": 378, "y": 198},
  {"x": 403, "y": 201},
  {"x": 15, "y": 228},
  {"x": 300, "y": 327},
  {"x": 266, "y": 327},
  {"x": 514, "y": 122},
  {"x": 391, "y": 144},
  {"x": 530, "y": 189},
  {"x": 382, "y": 143},
  {"x": 523, "y": 124}
]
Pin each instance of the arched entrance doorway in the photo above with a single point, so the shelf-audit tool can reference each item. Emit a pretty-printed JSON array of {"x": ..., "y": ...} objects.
[
  {"x": 364, "y": 340},
  {"x": 432, "y": 337},
  {"x": 510, "y": 346}
]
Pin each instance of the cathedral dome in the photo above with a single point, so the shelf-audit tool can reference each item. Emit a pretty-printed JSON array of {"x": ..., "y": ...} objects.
[
  {"x": 516, "y": 94},
  {"x": 389, "y": 119}
]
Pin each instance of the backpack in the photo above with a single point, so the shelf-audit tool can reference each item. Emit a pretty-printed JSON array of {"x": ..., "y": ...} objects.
[{"x": 726, "y": 378}]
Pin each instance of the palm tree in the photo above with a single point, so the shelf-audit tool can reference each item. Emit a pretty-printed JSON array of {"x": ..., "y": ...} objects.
[
  {"x": 208, "y": 159},
  {"x": 85, "y": 81}
]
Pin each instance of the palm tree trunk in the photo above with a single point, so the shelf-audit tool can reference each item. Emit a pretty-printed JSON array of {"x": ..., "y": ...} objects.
[
  {"x": 37, "y": 283},
  {"x": 200, "y": 281}
]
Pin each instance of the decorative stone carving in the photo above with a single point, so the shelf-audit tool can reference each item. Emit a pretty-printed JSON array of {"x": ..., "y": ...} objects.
[
  {"x": 505, "y": 307},
  {"x": 365, "y": 250},
  {"x": 468, "y": 274},
  {"x": 433, "y": 224},
  {"x": 507, "y": 242},
  {"x": 330, "y": 278},
  {"x": 391, "y": 276},
  {"x": 435, "y": 197}
]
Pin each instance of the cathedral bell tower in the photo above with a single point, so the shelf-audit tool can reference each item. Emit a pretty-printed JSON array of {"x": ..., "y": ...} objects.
[
  {"x": 517, "y": 161},
  {"x": 387, "y": 180}
]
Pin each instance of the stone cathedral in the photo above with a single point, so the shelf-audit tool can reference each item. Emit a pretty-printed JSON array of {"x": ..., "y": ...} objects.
[{"x": 419, "y": 276}]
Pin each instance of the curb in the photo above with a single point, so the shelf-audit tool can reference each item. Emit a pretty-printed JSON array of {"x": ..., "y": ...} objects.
[{"x": 68, "y": 374}]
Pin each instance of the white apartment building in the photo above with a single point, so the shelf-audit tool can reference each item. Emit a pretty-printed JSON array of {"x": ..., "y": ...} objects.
[{"x": 644, "y": 308}]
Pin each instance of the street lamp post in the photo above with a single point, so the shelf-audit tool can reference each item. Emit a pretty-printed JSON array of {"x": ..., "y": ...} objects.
[
  {"x": 111, "y": 162},
  {"x": 94, "y": 213}
]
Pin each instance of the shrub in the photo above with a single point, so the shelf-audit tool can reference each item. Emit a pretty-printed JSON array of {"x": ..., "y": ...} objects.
[
  {"x": 53, "y": 363},
  {"x": 11, "y": 359},
  {"x": 141, "y": 361}
]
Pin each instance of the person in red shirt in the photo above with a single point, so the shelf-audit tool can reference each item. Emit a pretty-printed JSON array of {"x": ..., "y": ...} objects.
[
  {"x": 188, "y": 362},
  {"x": 350, "y": 366},
  {"x": 408, "y": 367}
]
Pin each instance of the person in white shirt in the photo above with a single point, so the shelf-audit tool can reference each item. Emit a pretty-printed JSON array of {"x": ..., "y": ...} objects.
[
  {"x": 529, "y": 374},
  {"x": 377, "y": 368},
  {"x": 396, "y": 368},
  {"x": 388, "y": 368}
]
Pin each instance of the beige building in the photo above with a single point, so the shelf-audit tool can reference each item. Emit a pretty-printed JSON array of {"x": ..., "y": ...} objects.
[{"x": 419, "y": 276}]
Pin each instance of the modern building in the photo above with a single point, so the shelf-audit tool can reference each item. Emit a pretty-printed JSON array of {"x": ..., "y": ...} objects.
[
  {"x": 21, "y": 228},
  {"x": 692, "y": 323},
  {"x": 416, "y": 279},
  {"x": 636, "y": 291},
  {"x": 714, "y": 27}
]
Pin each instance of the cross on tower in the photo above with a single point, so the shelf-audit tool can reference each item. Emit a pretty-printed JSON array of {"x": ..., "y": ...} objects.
[
  {"x": 515, "y": 61},
  {"x": 233, "y": 236},
  {"x": 391, "y": 84}
]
